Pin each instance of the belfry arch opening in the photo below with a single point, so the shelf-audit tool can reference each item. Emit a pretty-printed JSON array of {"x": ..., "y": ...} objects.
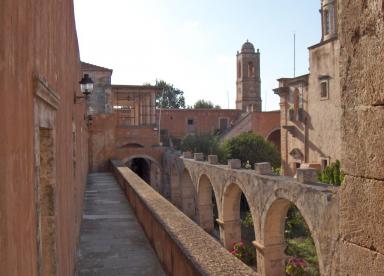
[
  {"x": 238, "y": 223},
  {"x": 207, "y": 207},
  {"x": 287, "y": 233},
  {"x": 275, "y": 138}
]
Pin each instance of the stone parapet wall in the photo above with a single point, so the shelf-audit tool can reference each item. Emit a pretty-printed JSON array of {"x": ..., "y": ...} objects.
[
  {"x": 193, "y": 184},
  {"x": 182, "y": 246}
]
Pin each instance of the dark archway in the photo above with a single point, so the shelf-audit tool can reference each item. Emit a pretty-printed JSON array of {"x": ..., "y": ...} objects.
[
  {"x": 238, "y": 230},
  {"x": 141, "y": 167},
  {"x": 275, "y": 138},
  {"x": 287, "y": 232},
  {"x": 207, "y": 207}
]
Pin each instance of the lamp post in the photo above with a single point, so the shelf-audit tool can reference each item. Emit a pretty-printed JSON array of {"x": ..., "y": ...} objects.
[{"x": 86, "y": 87}]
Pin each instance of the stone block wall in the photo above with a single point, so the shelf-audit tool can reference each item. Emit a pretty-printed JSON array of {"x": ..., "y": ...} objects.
[{"x": 362, "y": 99}]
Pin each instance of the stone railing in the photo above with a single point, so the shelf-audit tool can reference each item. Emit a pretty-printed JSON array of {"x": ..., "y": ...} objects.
[{"x": 182, "y": 246}]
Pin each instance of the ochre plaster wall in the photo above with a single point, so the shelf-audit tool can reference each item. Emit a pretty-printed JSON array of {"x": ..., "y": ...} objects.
[
  {"x": 38, "y": 38},
  {"x": 324, "y": 114}
]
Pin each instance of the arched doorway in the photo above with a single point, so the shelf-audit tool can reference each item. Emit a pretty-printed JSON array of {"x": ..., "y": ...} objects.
[
  {"x": 141, "y": 167},
  {"x": 147, "y": 169},
  {"x": 238, "y": 222},
  {"x": 188, "y": 195},
  {"x": 275, "y": 138},
  {"x": 288, "y": 243},
  {"x": 207, "y": 207}
]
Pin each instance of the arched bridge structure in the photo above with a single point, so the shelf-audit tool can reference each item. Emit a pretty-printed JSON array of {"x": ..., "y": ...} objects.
[{"x": 193, "y": 183}]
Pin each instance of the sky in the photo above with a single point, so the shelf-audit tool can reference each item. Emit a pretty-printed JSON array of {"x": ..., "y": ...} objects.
[{"x": 192, "y": 44}]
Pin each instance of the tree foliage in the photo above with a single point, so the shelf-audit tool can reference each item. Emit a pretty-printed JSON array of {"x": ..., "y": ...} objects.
[
  {"x": 169, "y": 96},
  {"x": 205, "y": 143},
  {"x": 253, "y": 148},
  {"x": 332, "y": 174},
  {"x": 205, "y": 104}
]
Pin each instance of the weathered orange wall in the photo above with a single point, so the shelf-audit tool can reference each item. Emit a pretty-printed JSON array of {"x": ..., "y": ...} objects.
[
  {"x": 206, "y": 120},
  {"x": 263, "y": 123},
  {"x": 38, "y": 37},
  {"x": 108, "y": 140}
]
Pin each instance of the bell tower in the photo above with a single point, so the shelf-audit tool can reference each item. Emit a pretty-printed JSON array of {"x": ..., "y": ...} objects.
[
  {"x": 328, "y": 19},
  {"x": 248, "y": 79}
]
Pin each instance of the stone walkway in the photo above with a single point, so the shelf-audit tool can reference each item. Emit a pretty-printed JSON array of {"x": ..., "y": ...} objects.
[{"x": 111, "y": 240}]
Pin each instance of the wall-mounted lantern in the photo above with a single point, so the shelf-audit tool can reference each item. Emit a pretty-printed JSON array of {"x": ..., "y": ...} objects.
[{"x": 86, "y": 87}]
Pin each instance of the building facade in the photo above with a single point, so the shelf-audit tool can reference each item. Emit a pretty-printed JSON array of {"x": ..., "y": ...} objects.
[{"x": 310, "y": 105}]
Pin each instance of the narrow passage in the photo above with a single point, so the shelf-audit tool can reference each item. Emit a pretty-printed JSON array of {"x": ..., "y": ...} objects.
[{"x": 111, "y": 240}]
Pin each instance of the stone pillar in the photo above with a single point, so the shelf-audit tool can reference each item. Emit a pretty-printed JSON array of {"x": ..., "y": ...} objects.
[
  {"x": 263, "y": 168},
  {"x": 307, "y": 175},
  {"x": 187, "y": 154},
  {"x": 234, "y": 164},
  {"x": 212, "y": 159},
  {"x": 198, "y": 156},
  {"x": 361, "y": 26},
  {"x": 206, "y": 217},
  {"x": 270, "y": 259},
  {"x": 230, "y": 232}
]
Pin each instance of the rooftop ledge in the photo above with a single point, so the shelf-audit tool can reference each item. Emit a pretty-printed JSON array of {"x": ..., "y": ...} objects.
[{"x": 182, "y": 246}]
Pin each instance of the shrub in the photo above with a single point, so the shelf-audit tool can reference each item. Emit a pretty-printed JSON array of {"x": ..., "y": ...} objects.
[
  {"x": 296, "y": 267},
  {"x": 332, "y": 174},
  {"x": 247, "y": 221},
  {"x": 205, "y": 143},
  {"x": 252, "y": 148},
  {"x": 244, "y": 252},
  {"x": 295, "y": 225}
]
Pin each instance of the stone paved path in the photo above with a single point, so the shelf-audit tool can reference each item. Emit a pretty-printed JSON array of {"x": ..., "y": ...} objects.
[{"x": 111, "y": 240}]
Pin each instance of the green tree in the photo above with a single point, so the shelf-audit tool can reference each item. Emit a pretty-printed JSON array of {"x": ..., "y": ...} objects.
[
  {"x": 169, "y": 96},
  {"x": 205, "y": 104},
  {"x": 253, "y": 148}
]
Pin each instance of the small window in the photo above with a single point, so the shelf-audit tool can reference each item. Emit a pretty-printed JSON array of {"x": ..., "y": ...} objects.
[
  {"x": 190, "y": 122},
  {"x": 324, "y": 93},
  {"x": 223, "y": 123},
  {"x": 324, "y": 163}
]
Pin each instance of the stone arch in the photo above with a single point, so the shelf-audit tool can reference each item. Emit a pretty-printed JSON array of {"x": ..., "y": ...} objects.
[
  {"x": 188, "y": 195},
  {"x": 231, "y": 220},
  {"x": 272, "y": 258},
  {"x": 147, "y": 168},
  {"x": 205, "y": 205},
  {"x": 145, "y": 156},
  {"x": 132, "y": 145},
  {"x": 274, "y": 136}
]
